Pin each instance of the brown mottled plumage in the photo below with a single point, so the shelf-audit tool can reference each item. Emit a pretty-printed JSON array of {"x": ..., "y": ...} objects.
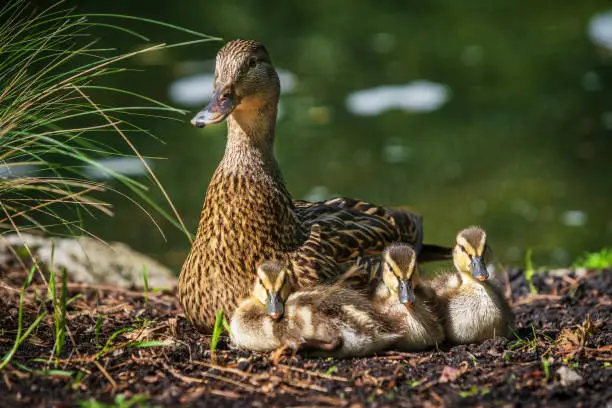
[
  {"x": 472, "y": 307},
  {"x": 249, "y": 216}
]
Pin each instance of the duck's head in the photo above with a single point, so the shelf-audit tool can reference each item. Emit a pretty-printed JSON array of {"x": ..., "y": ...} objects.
[
  {"x": 273, "y": 287},
  {"x": 400, "y": 272},
  {"x": 245, "y": 80},
  {"x": 471, "y": 253}
]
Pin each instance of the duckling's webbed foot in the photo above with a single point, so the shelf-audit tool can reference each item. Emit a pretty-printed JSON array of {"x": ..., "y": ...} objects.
[
  {"x": 317, "y": 344},
  {"x": 284, "y": 353}
]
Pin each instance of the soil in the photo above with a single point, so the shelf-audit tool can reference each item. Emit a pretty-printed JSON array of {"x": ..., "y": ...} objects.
[{"x": 562, "y": 355}]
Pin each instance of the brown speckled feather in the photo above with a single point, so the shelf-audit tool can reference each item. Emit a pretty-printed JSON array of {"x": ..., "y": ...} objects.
[{"x": 378, "y": 223}]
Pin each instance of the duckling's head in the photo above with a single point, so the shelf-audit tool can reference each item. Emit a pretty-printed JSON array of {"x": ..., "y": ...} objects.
[
  {"x": 471, "y": 253},
  {"x": 400, "y": 273},
  {"x": 245, "y": 80},
  {"x": 273, "y": 287}
]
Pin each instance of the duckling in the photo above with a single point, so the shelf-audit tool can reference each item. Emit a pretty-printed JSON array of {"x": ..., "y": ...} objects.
[
  {"x": 473, "y": 309},
  {"x": 257, "y": 323},
  {"x": 400, "y": 295},
  {"x": 329, "y": 320}
]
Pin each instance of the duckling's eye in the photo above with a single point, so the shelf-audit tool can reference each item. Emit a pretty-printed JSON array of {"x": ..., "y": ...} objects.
[
  {"x": 464, "y": 251},
  {"x": 252, "y": 62}
]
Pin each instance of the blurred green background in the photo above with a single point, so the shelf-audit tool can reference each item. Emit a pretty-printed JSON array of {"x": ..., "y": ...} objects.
[{"x": 498, "y": 115}]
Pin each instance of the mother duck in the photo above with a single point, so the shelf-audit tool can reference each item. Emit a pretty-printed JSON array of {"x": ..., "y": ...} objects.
[{"x": 249, "y": 215}]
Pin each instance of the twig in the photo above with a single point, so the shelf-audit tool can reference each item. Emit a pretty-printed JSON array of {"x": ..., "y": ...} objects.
[
  {"x": 225, "y": 369},
  {"x": 389, "y": 357},
  {"x": 306, "y": 386},
  {"x": 212, "y": 376},
  {"x": 224, "y": 394},
  {"x": 8, "y": 383},
  {"x": 405, "y": 354},
  {"x": 314, "y": 373},
  {"x": 106, "y": 374},
  {"x": 534, "y": 298},
  {"x": 438, "y": 398},
  {"x": 326, "y": 400}
]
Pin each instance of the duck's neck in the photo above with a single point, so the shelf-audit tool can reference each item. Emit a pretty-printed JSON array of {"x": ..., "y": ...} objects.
[
  {"x": 250, "y": 140},
  {"x": 247, "y": 199}
]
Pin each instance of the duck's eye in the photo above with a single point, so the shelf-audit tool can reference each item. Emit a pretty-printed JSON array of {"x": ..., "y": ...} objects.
[{"x": 252, "y": 62}]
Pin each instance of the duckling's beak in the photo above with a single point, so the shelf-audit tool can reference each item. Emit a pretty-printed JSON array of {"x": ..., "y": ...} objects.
[
  {"x": 479, "y": 269},
  {"x": 275, "y": 308},
  {"x": 221, "y": 105},
  {"x": 405, "y": 293}
]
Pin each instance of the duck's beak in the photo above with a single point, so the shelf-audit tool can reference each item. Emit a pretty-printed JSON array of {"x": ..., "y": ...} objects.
[
  {"x": 479, "y": 269},
  {"x": 405, "y": 293},
  {"x": 221, "y": 105},
  {"x": 275, "y": 308}
]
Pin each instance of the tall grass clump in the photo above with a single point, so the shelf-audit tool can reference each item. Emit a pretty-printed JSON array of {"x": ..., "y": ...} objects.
[{"x": 53, "y": 130}]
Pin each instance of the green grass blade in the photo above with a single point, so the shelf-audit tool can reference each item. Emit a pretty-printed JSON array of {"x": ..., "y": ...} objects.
[
  {"x": 148, "y": 20},
  {"x": 145, "y": 278},
  {"x": 19, "y": 338},
  {"x": 218, "y": 329},
  {"x": 530, "y": 271}
]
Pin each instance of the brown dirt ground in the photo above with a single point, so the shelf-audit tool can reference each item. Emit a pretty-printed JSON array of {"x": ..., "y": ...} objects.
[{"x": 565, "y": 325}]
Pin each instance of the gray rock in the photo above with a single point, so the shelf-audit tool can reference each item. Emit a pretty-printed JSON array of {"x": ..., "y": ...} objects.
[
  {"x": 567, "y": 376},
  {"x": 89, "y": 260}
]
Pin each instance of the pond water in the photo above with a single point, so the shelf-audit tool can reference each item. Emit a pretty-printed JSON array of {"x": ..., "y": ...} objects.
[{"x": 470, "y": 113}]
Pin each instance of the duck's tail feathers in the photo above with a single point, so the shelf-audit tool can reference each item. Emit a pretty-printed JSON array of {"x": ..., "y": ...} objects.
[{"x": 431, "y": 253}]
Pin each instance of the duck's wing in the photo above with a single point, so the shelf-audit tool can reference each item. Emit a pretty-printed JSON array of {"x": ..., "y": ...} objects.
[
  {"x": 312, "y": 261},
  {"x": 362, "y": 229},
  {"x": 358, "y": 231},
  {"x": 363, "y": 274}
]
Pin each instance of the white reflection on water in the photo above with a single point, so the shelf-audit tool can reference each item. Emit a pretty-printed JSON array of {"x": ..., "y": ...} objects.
[
  {"x": 192, "y": 90},
  {"x": 574, "y": 218},
  {"x": 600, "y": 29},
  {"x": 416, "y": 96},
  {"x": 195, "y": 90},
  {"x": 12, "y": 170},
  {"x": 127, "y": 166}
]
